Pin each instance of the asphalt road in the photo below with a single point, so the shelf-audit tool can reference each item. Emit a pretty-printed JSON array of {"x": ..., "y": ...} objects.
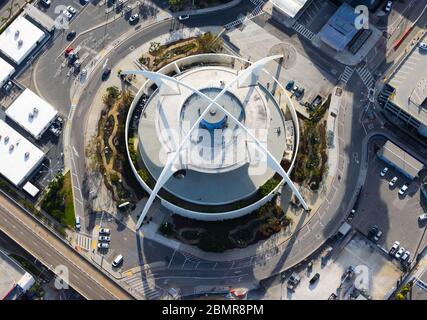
[{"x": 52, "y": 252}]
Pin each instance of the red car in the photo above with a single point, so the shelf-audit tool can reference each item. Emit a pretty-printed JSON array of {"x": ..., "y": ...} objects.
[{"x": 68, "y": 51}]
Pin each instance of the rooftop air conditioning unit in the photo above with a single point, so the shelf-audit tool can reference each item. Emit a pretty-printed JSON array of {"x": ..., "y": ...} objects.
[
  {"x": 6, "y": 139},
  {"x": 35, "y": 110},
  {"x": 27, "y": 155},
  {"x": 20, "y": 42},
  {"x": 16, "y": 34},
  {"x": 11, "y": 148}
]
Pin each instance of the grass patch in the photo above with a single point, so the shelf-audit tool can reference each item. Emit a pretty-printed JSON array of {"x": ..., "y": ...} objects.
[
  {"x": 67, "y": 191},
  {"x": 58, "y": 201}
]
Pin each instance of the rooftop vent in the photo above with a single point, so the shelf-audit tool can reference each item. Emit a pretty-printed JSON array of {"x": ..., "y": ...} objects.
[
  {"x": 11, "y": 148},
  {"x": 6, "y": 139},
  {"x": 35, "y": 110},
  {"x": 20, "y": 43},
  {"x": 16, "y": 34},
  {"x": 27, "y": 155}
]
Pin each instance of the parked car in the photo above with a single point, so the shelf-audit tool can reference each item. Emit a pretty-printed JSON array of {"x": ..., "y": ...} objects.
[
  {"x": 71, "y": 10},
  {"x": 392, "y": 182},
  {"x": 67, "y": 15},
  {"x": 183, "y": 17},
  {"x": 403, "y": 189},
  {"x": 394, "y": 248},
  {"x": 117, "y": 261},
  {"x": 45, "y": 3},
  {"x": 375, "y": 233},
  {"x": 290, "y": 85},
  {"x": 78, "y": 223},
  {"x": 103, "y": 245},
  {"x": 71, "y": 35},
  {"x": 405, "y": 256},
  {"x": 300, "y": 92},
  {"x": 293, "y": 281},
  {"x": 104, "y": 231},
  {"x": 314, "y": 279},
  {"x": 388, "y": 6},
  {"x": 399, "y": 252},
  {"x": 422, "y": 45},
  {"x": 383, "y": 172},
  {"x": 134, "y": 18},
  {"x": 422, "y": 218},
  {"x": 104, "y": 238},
  {"x": 68, "y": 51}
]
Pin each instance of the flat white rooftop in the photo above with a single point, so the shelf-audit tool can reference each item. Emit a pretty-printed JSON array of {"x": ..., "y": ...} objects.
[
  {"x": 6, "y": 70},
  {"x": 290, "y": 7},
  {"x": 19, "y": 39},
  {"x": 18, "y": 156},
  {"x": 32, "y": 113}
]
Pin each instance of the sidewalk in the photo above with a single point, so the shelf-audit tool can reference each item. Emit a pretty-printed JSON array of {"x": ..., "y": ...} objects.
[{"x": 193, "y": 12}]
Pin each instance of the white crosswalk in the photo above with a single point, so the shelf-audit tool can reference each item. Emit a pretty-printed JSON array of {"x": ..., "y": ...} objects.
[
  {"x": 143, "y": 287},
  {"x": 302, "y": 30},
  {"x": 84, "y": 242},
  {"x": 366, "y": 76},
  {"x": 346, "y": 75},
  {"x": 256, "y": 12}
]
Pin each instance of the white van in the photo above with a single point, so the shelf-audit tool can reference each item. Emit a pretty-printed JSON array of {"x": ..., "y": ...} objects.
[
  {"x": 117, "y": 261},
  {"x": 77, "y": 222}
]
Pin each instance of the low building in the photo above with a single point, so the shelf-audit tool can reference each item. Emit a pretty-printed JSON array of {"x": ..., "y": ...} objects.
[
  {"x": 14, "y": 280},
  {"x": 18, "y": 156},
  {"x": 32, "y": 113},
  {"x": 6, "y": 71},
  {"x": 20, "y": 39},
  {"x": 400, "y": 160},
  {"x": 290, "y": 8},
  {"x": 338, "y": 32}
]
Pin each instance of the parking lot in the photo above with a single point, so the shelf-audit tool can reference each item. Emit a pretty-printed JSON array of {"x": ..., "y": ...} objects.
[
  {"x": 394, "y": 214},
  {"x": 373, "y": 271}
]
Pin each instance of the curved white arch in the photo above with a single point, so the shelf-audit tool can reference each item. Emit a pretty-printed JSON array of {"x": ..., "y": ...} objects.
[{"x": 169, "y": 85}]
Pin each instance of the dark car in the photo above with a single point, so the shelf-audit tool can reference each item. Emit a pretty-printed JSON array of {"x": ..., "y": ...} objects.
[
  {"x": 45, "y": 3},
  {"x": 106, "y": 74},
  {"x": 300, "y": 92},
  {"x": 290, "y": 85},
  {"x": 71, "y": 35},
  {"x": 314, "y": 279}
]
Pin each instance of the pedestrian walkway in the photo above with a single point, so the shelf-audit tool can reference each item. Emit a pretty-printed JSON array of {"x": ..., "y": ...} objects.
[
  {"x": 142, "y": 287},
  {"x": 302, "y": 30},
  {"x": 366, "y": 76},
  {"x": 346, "y": 75},
  {"x": 84, "y": 242},
  {"x": 256, "y": 12}
]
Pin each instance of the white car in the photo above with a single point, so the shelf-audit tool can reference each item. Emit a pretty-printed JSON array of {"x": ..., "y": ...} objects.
[
  {"x": 67, "y": 15},
  {"x": 104, "y": 231},
  {"x": 405, "y": 256},
  {"x": 388, "y": 6},
  {"x": 183, "y": 17},
  {"x": 71, "y": 10},
  {"x": 403, "y": 189},
  {"x": 422, "y": 46},
  {"x": 394, "y": 248},
  {"x": 393, "y": 182},
  {"x": 104, "y": 238},
  {"x": 134, "y": 17},
  {"x": 383, "y": 172},
  {"x": 422, "y": 218},
  {"x": 399, "y": 252},
  {"x": 103, "y": 245},
  {"x": 78, "y": 223}
]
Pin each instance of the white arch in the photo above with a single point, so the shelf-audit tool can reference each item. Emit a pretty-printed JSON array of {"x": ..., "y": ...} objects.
[{"x": 253, "y": 73}]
